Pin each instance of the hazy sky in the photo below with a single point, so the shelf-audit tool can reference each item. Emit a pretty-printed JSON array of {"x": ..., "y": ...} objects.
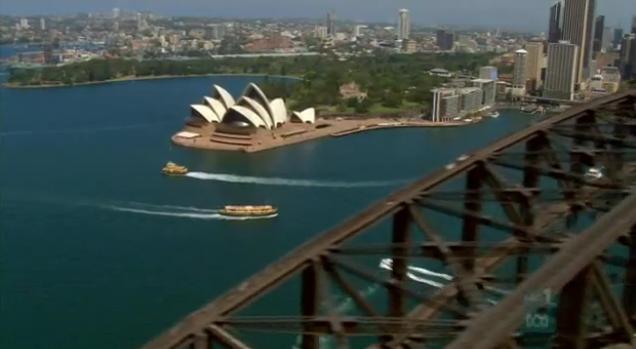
[{"x": 518, "y": 14}]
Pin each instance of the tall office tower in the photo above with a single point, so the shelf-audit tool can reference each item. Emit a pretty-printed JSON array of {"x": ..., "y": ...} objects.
[
  {"x": 606, "y": 43},
  {"x": 488, "y": 72},
  {"x": 578, "y": 29},
  {"x": 331, "y": 23},
  {"x": 618, "y": 36},
  {"x": 116, "y": 12},
  {"x": 404, "y": 25},
  {"x": 556, "y": 22},
  {"x": 634, "y": 25},
  {"x": 627, "y": 59},
  {"x": 519, "y": 76},
  {"x": 445, "y": 40},
  {"x": 42, "y": 24},
  {"x": 534, "y": 62},
  {"x": 599, "y": 26},
  {"x": 560, "y": 76}
]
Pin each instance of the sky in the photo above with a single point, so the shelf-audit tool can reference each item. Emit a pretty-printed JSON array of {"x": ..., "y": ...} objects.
[{"x": 508, "y": 14}]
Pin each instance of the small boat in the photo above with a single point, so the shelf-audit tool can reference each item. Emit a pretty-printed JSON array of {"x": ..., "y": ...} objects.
[
  {"x": 249, "y": 211},
  {"x": 172, "y": 169},
  {"x": 594, "y": 173},
  {"x": 495, "y": 114}
]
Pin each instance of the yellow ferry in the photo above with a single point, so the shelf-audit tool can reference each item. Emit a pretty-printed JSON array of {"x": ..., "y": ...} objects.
[
  {"x": 172, "y": 169},
  {"x": 249, "y": 211}
]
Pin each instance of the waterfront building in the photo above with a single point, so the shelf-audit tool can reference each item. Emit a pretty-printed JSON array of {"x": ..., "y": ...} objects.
[
  {"x": 331, "y": 23},
  {"x": 578, "y": 29},
  {"x": 599, "y": 28},
  {"x": 404, "y": 25},
  {"x": 489, "y": 91},
  {"x": 556, "y": 22},
  {"x": 488, "y": 72},
  {"x": 471, "y": 98},
  {"x": 446, "y": 104},
  {"x": 252, "y": 110},
  {"x": 560, "y": 77},
  {"x": 445, "y": 40},
  {"x": 534, "y": 64},
  {"x": 519, "y": 76}
]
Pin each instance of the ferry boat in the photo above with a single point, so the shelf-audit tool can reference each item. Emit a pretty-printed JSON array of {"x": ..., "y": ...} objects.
[
  {"x": 172, "y": 169},
  {"x": 249, "y": 211}
]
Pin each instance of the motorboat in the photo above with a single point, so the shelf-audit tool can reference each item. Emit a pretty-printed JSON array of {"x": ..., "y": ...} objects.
[{"x": 172, "y": 169}]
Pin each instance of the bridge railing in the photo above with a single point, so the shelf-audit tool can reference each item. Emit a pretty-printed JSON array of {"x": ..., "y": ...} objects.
[{"x": 542, "y": 211}]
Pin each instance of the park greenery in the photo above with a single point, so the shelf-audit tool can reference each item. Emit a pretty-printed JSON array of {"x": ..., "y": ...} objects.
[{"x": 393, "y": 82}]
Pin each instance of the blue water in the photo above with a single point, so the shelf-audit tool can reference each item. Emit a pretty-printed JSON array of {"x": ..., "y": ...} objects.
[{"x": 99, "y": 250}]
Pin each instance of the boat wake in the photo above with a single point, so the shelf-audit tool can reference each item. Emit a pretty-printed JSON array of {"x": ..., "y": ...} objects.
[
  {"x": 230, "y": 178},
  {"x": 180, "y": 212}
]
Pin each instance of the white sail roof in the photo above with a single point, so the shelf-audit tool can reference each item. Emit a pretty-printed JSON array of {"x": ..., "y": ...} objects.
[
  {"x": 308, "y": 115},
  {"x": 259, "y": 109},
  {"x": 222, "y": 95},
  {"x": 217, "y": 106},
  {"x": 255, "y": 92},
  {"x": 205, "y": 112},
  {"x": 279, "y": 111},
  {"x": 249, "y": 116}
]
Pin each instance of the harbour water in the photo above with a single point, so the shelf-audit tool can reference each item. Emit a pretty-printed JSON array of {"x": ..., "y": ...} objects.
[{"x": 99, "y": 250}]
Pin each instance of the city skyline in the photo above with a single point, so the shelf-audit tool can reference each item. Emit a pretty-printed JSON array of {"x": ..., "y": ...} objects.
[{"x": 520, "y": 15}]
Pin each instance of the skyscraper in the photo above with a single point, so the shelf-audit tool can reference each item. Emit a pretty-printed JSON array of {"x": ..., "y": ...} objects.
[
  {"x": 634, "y": 25},
  {"x": 628, "y": 56},
  {"x": 560, "y": 77},
  {"x": 599, "y": 26},
  {"x": 445, "y": 40},
  {"x": 404, "y": 25},
  {"x": 556, "y": 22},
  {"x": 519, "y": 76},
  {"x": 331, "y": 23},
  {"x": 578, "y": 29},
  {"x": 618, "y": 36},
  {"x": 42, "y": 23},
  {"x": 535, "y": 62}
]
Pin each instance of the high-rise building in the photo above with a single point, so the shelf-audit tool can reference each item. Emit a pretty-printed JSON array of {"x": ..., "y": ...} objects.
[
  {"x": 488, "y": 72},
  {"x": 445, "y": 40},
  {"x": 599, "y": 27},
  {"x": 24, "y": 23},
  {"x": 578, "y": 29},
  {"x": 534, "y": 62},
  {"x": 116, "y": 12},
  {"x": 618, "y": 36},
  {"x": 321, "y": 32},
  {"x": 560, "y": 77},
  {"x": 634, "y": 25},
  {"x": 357, "y": 30},
  {"x": 519, "y": 76},
  {"x": 556, "y": 22},
  {"x": 331, "y": 23},
  {"x": 404, "y": 27},
  {"x": 446, "y": 104},
  {"x": 489, "y": 91},
  {"x": 42, "y": 24},
  {"x": 628, "y": 56}
]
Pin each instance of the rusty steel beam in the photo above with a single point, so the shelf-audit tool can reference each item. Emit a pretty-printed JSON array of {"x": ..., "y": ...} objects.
[
  {"x": 293, "y": 263},
  {"x": 310, "y": 303},
  {"x": 572, "y": 313},
  {"x": 574, "y": 257}
]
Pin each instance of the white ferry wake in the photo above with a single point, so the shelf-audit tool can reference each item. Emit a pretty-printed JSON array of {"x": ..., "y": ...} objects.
[
  {"x": 184, "y": 212},
  {"x": 230, "y": 178}
]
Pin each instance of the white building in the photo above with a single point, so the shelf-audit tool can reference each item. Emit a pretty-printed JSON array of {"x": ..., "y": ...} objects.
[
  {"x": 489, "y": 91},
  {"x": 519, "y": 76},
  {"x": 404, "y": 25},
  {"x": 252, "y": 110}
]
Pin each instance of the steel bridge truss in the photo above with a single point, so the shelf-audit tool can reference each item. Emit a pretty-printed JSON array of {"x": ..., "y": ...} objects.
[{"x": 475, "y": 255}]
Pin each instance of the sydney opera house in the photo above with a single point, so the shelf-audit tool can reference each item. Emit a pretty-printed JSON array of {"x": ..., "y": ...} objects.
[{"x": 224, "y": 122}]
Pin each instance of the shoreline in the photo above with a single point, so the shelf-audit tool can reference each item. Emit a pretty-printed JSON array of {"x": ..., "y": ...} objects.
[
  {"x": 142, "y": 78},
  {"x": 208, "y": 139}
]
